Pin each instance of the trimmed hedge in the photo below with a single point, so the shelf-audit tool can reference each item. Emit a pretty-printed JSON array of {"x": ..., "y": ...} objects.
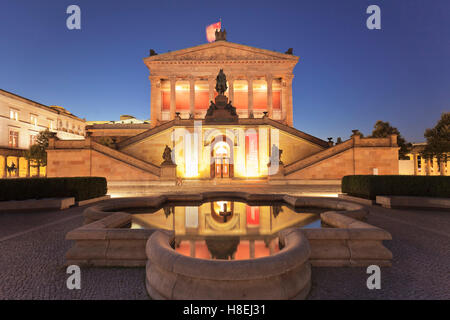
[
  {"x": 82, "y": 188},
  {"x": 369, "y": 186}
]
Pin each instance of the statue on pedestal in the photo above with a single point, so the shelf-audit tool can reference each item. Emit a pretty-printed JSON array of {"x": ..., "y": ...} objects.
[
  {"x": 221, "y": 110},
  {"x": 167, "y": 156},
  {"x": 221, "y": 83}
]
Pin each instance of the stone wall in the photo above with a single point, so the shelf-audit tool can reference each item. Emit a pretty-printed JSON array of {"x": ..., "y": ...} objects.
[
  {"x": 95, "y": 160},
  {"x": 354, "y": 156}
]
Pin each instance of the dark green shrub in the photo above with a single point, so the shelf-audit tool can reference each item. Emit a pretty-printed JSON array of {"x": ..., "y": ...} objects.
[
  {"x": 368, "y": 186},
  {"x": 82, "y": 188}
]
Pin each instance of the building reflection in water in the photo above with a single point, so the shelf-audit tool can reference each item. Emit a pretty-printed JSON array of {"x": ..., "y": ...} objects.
[{"x": 226, "y": 229}]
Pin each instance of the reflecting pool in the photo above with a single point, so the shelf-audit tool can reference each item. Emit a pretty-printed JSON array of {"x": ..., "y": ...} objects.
[{"x": 226, "y": 229}]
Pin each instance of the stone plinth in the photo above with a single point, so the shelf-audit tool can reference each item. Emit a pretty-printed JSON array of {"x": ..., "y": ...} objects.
[
  {"x": 276, "y": 173},
  {"x": 221, "y": 111},
  {"x": 168, "y": 171}
]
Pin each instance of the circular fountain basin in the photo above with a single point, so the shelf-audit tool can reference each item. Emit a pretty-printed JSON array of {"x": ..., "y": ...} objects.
[{"x": 284, "y": 275}]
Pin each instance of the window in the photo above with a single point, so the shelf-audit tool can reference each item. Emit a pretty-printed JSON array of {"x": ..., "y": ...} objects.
[
  {"x": 51, "y": 124},
  {"x": 13, "y": 139},
  {"x": 14, "y": 114},
  {"x": 33, "y": 120},
  {"x": 33, "y": 139},
  {"x": 419, "y": 162}
]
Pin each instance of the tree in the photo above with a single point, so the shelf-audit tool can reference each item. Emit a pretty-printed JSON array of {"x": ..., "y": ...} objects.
[
  {"x": 36, "y": 153},
  {"x": 384, "y": 129},
  {"x": 438, "y": 141},
  {"x": 108, "y": 141}
]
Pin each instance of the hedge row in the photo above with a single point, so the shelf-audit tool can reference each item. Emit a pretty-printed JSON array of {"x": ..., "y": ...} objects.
[
  {"x": 369, "y": 187},
  {"x": 82, "y": 188}
]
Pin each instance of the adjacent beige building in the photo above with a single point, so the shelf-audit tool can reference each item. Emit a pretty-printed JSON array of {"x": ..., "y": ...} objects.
[
  {"x": 420, "y": 166},
  {"x": 21, "y": 120}
]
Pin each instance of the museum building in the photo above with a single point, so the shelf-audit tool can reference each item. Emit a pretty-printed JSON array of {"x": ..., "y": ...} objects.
[{"x": 219, "y": 111}]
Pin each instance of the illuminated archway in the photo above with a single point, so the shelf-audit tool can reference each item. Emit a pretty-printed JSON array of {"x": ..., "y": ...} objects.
[{"x": 222, "y": 156}]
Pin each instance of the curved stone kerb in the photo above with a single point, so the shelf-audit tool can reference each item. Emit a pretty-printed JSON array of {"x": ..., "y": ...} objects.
[{"x": 295, "y": 253}]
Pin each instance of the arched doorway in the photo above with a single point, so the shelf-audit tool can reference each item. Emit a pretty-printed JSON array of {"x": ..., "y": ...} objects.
[{"x": 222, "y": 158}]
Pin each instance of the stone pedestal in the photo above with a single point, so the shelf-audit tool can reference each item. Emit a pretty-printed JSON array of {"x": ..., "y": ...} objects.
[
  {"x": 274, "y": 174},
  {"x": 168, "y": 171},
  {"x": 221, "y": 111}
]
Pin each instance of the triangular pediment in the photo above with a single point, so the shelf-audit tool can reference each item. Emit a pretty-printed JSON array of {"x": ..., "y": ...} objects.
[{"x": 220, "y": 51}]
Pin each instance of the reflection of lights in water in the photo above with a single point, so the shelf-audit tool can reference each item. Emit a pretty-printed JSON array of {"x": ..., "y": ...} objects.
[{"x": 219, "y": 206}]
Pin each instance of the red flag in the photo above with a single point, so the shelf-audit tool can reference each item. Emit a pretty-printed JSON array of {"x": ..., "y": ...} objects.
[{"x": 211, "y": 31}]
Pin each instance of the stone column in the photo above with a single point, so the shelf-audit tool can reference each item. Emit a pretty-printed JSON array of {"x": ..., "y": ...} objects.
[
  {"x": 211, "y": 88},
  {"x": 5, "y": 171},
  {"x": 230, "y": 88},
  {"x": 155, "y": 100},
  {"x": 28, "y": 168},
  {"x": 250, "y": 96},
  {"x": 191, "y": 95},
  {"x": 173, "y": 96},
  {"x": 286, "y": 99},
  {"x": 17, "y": 167},
  {"x": 252, "y": 249},
  {"x": 192, "y": 247},
  {"x": 269, "y": 95},
  {"x": 428, "y": 167}
]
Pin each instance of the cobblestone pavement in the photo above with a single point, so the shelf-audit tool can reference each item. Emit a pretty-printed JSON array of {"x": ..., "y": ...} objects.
[
  {"x": 32, "y": 250},
  {"x": 421, "y": 265}
]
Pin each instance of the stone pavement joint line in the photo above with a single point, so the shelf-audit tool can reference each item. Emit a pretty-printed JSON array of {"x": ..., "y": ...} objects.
[
  {"x": 17, "y": 234},
  {"x": 414, "y": 225}
]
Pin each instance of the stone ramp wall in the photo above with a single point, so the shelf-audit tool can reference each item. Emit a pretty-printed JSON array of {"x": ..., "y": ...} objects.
[
  {"x": 354, "y": 156},
  {"x": 88, "y": 158}
]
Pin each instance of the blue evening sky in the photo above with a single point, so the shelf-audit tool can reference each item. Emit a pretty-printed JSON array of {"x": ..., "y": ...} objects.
[{"x": 347, "y": 78}]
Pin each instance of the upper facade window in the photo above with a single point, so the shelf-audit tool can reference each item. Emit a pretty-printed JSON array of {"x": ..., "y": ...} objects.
[
  {"x": 51, "y": 124},
  {"x": 14, "y": 114},
  {"x": 33, "y": 120},
  {"x": 33, "y": 139},
  {"x": 13, "y": 139}
]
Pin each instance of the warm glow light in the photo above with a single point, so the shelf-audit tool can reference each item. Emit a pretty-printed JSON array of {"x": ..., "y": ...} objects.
[
  {"x": 191, "y": 155},
  {"x": 219, "y": 206}
]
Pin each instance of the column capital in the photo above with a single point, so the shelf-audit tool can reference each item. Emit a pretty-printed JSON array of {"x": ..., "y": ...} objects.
[
  {"x": 191, "y": 79},
  {"x": 154, "y": 79},
  {"x": 268, "y": 76},
  {"x": 287, "y": 77},
  {"x": 250, "y": 77}
]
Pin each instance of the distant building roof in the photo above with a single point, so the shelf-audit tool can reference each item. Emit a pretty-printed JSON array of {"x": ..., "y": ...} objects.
[
  {"x": 57, "y": 109},
  {"x": 124, "y": 119}
]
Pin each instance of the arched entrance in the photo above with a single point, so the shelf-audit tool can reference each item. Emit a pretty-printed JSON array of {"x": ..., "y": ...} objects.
[{"x": 222, "y": 158}]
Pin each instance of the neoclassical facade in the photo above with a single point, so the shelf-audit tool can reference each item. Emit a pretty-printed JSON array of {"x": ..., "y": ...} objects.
[
  {"x": 220, "y": 111},
  {"x": 259, "y": 81}
]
